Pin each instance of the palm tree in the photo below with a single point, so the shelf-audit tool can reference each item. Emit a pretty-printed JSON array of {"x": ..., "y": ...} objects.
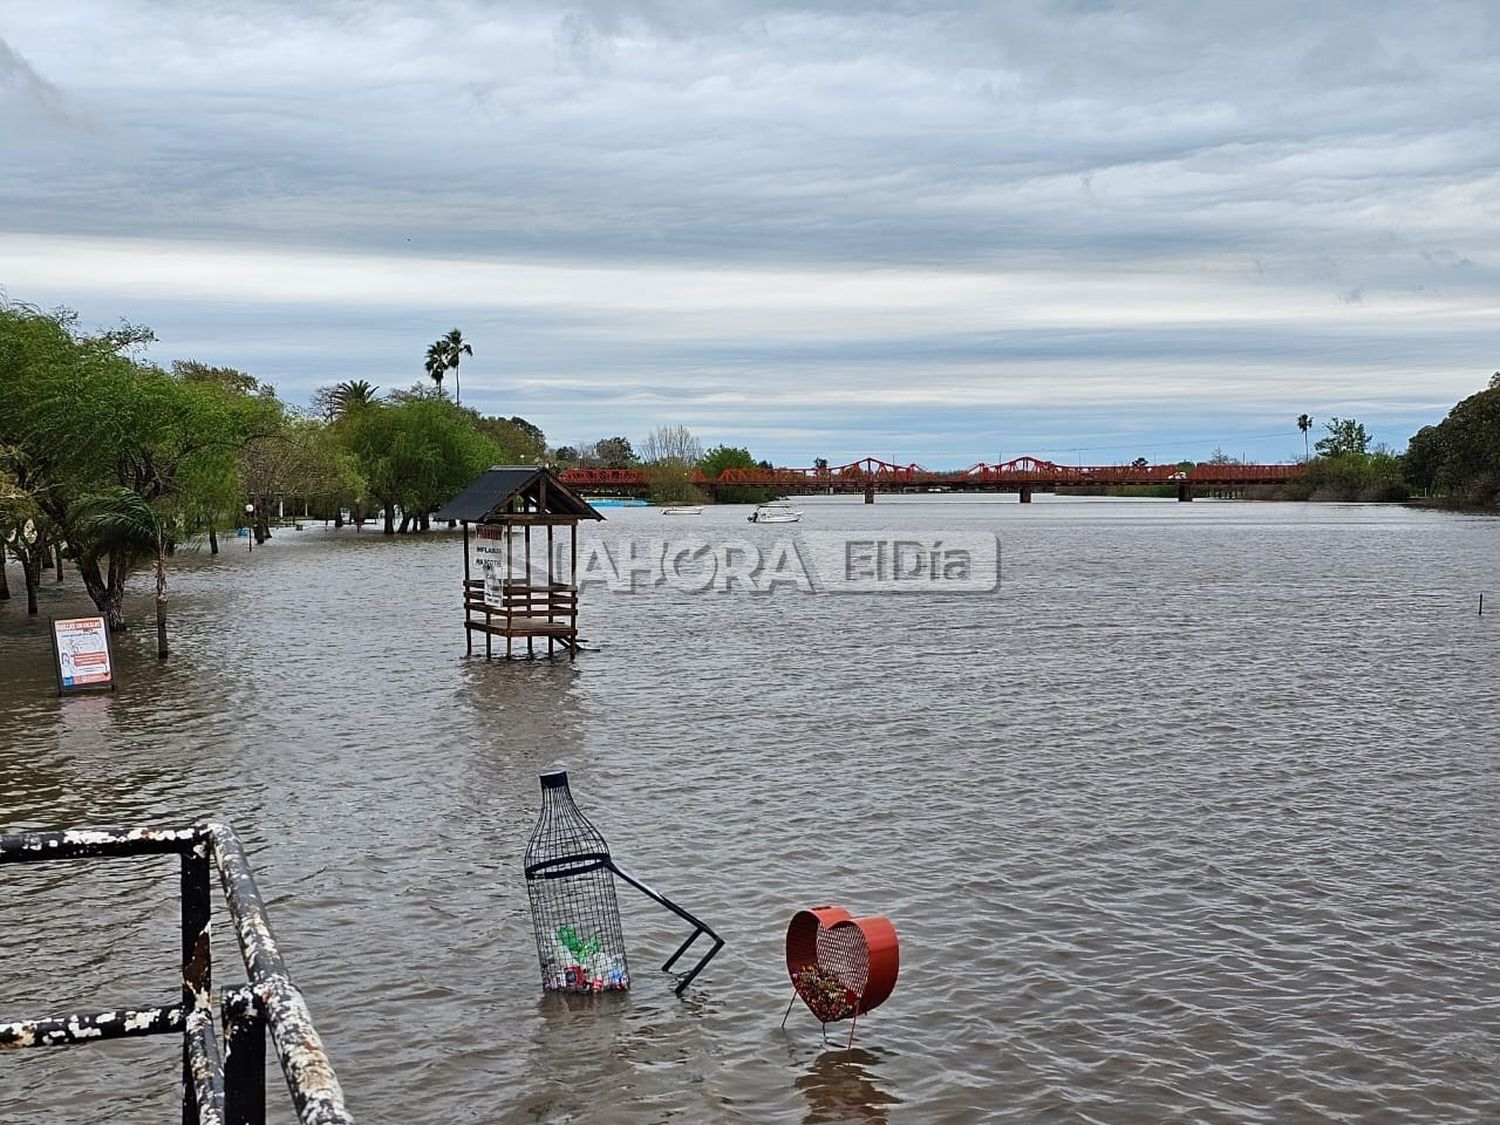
[
  {"x": 1304, "y": 423},
  {"x": 121, "y": 522},
  {"x": 437, "y": 363},
  {"x": 444, "y": 355},
  {"x": 351, "y": 395}
]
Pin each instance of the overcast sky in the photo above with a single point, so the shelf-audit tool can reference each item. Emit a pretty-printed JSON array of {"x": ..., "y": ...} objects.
[{"x": 935, "y": 233}]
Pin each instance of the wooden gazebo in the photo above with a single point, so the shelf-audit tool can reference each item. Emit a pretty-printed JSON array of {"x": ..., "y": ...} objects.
[{"x": 512, "y": 596}]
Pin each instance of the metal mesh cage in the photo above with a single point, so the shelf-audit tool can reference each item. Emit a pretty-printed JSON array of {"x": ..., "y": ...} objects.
[{"x": 570, "y": 882}]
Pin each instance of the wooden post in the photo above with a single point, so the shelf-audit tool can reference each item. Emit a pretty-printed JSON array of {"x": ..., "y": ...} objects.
[
  {"x": 529, "y": 638},
  {"x": 468, "y": 633}
]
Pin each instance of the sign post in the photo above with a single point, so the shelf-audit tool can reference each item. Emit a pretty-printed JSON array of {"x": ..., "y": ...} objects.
[{"x": 82, "y": 653}]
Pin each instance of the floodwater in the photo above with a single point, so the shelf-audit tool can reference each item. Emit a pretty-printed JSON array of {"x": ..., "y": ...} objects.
[{"x": 1195, "y": 819}]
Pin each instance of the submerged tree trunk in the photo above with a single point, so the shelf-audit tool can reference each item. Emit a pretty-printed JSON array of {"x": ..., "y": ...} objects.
[
  {"x": 405, "y": 524},
  {"x": 108, "y": 596},
  {"x": 4, "y": 581},
  {"x": 57, "y": 554},
  {"x": 390, "y": 519},
  {"x": 213, "y": 539},
  {"x": 161, "y": 605},
  {"x": 33, "y": 558},
  {"x": 426, "y": 521}
]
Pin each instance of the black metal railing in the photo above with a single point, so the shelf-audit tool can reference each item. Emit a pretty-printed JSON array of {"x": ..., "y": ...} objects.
[
  {"x": 223, "y": 1082},
  {"x": 700, "y": 928}
]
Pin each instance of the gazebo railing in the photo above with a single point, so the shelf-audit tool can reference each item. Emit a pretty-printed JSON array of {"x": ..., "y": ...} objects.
[
  {"x": 223, "y": 1082},
  {"x": 522, "y": 599},
  {"x": 527, "y": 610}
]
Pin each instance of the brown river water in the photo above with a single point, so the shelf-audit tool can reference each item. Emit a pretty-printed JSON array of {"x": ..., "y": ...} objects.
[{"x": 1194, "y": 819}]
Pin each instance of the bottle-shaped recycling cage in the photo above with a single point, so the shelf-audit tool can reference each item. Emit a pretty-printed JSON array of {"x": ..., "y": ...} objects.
[
  {"x": 570, "y": 875},
  {"x": 572, "y": 890}
]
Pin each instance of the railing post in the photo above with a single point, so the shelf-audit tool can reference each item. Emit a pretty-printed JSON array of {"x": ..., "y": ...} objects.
[
  {"x": 244, "y": 1060},
  {"x": 196, "y": 975}
]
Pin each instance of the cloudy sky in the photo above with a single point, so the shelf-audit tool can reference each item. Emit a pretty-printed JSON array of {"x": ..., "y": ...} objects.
[{"x": 925, "y": 231}]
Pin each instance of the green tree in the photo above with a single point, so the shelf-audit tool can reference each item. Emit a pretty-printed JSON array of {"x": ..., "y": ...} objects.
[
  {"x": 1460, "y": 456},
  {"x": 520, "y": 442},
  {"x": 121, "y": 524},
  {"x": 416, "y": 454},
  {"x": 37, "y": 352},
  {"x": 228, "y": 378},
  {"x": 723, "y": 457},
  {"x": 84, "y": 417},
  {"x": 351, "y": 395},
  {"x": 1345, "y": 436},
  {"x": 615, "y": 453}
]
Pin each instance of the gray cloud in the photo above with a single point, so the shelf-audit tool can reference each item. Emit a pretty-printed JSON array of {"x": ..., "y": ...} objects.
[
  {"x": 30, "y": 106},
  {"x": 1327, "y": 162}
]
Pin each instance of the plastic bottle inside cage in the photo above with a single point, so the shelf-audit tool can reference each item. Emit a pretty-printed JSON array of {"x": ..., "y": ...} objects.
[{"x": 580, "y": 942}]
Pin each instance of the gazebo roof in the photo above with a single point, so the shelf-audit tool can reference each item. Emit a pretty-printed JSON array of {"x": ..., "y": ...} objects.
[{"x": 493, "y": 488}]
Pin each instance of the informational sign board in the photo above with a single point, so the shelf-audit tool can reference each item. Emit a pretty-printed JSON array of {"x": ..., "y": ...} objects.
[
  {"x": 489, "y": 564},
  {"x": 84, "y": 659}
]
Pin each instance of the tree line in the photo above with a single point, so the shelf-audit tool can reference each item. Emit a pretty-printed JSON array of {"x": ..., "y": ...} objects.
[
  {"x": 110, "y": 462},
  {"x": 1456, "y": 461}
]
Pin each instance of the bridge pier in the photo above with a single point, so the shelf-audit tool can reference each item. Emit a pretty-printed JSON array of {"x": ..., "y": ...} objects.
[
  {"x": 1026, "y": 494},
  {"x": 869, "y": 492},
  {"x": 1184, "y": 491}
]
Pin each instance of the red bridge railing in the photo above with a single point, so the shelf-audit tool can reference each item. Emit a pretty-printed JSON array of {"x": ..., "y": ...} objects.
[{"x": 1027, "y": 471}]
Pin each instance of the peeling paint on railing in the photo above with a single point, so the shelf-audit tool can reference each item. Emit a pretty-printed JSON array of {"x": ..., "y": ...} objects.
[
  {"x": 64, "y": 1031},
  {"x": 220, "y": 1087}
]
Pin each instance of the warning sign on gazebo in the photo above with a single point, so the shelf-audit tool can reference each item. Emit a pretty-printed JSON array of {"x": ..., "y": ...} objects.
[{"x": 81, "y": 646}]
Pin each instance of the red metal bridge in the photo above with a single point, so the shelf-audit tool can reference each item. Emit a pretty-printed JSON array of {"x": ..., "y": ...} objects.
[{"x": 1023, "y": 475}]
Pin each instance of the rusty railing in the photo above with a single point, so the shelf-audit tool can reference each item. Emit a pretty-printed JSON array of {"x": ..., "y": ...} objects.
[{"x": 223, "y": 1081}]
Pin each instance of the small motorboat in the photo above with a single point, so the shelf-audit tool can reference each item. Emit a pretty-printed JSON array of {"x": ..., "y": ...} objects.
[
  {"x": 684, "y": 510},
  {"x": 774, "y": 513}
]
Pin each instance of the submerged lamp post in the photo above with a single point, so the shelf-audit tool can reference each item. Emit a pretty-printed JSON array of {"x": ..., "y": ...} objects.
[{"x": 249, "y": 527}]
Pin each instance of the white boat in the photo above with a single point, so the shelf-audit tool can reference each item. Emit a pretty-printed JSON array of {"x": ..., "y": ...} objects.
[
  {"x": 684, "y": 510},
  {"x": 774, "y": 513}
]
